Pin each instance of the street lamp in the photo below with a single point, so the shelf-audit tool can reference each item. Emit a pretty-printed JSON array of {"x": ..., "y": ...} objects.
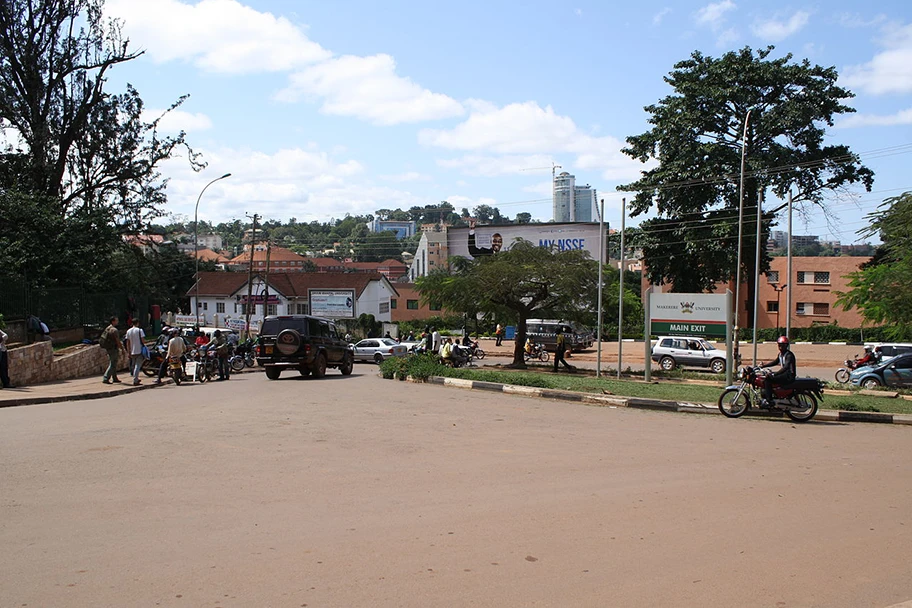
[
  {"x": 740, "y": 231},
  {"x": 196, "y": 244},
  {"x": 779, "y": 289}
]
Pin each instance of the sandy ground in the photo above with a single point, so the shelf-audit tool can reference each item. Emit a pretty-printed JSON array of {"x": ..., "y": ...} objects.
[{"x": 364, "y": 492}]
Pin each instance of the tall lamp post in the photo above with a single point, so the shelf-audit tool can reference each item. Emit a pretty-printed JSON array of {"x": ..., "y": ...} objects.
[
  {"x": 196, "y": 244},
  {"x": 779, "y": 289},
  {"x": 740, "y": 236}
]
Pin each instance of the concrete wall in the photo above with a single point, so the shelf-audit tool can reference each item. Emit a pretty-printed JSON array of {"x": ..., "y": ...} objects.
[{"x": 36, "y": 363}]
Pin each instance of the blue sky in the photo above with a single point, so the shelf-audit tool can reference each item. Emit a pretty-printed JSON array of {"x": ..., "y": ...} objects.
[{"x": 322, "y": 109}]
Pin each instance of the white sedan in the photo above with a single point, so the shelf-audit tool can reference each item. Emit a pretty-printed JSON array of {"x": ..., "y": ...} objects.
[{"x": 378, "y": 349}]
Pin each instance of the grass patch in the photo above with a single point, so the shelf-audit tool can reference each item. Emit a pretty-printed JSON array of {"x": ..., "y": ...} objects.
[{"x": 666, "y": 390}]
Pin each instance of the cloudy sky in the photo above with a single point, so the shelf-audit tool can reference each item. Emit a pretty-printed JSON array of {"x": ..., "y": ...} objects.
[{"x": 322, "y": 109}]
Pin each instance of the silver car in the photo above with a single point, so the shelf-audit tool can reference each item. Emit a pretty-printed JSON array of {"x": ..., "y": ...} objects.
[
  {"x": 680, "y": 351},
  {"x": 378, "y": 349}
]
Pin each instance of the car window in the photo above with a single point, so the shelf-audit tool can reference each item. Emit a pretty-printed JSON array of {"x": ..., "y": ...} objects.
[
  {"x": 667, "y": 343},
  {"x": 904, "y": 363},
  {"x": 272, "y": 327},
  {"x": 332, "y": 331},
  {"x": 389, "y": 341},
  {"x": 682, "y": 344},
  {"x": 693, "y": 345},
  {"x": 707, "y": 345}
]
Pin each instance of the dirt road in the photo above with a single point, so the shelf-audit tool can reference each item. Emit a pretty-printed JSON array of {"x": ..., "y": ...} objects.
[{"x": 364, "y": 492}]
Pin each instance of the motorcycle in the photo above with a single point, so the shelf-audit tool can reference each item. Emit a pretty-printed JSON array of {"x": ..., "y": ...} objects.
[
  {"x": 798, "y": 399},
  {"x": 151, "y": 365},
  {"x": 538, "y": 352},
  {"x": 176, "y": 370},
  {"x": 243, "y": 356},
  {"x": 843, "y": 373}
]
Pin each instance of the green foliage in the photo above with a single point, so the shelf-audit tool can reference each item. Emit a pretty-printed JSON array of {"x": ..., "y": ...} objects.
[
  {"x": 881, "y": 288},
  {"x": 420, "y": 367},
  {"x": 395, "y": 367},
  {"x": 697, "y": 139},
  {"x": 449, "y": 322},
  {"x": 524, "y": 281}
]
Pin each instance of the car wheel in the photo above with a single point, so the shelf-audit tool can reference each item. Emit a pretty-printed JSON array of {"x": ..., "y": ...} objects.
[
  {"x": 378, "y": 358},
  {"x": 304, "y": 371},
  {"x": 273, "y": 373},
  {"x": 870, "y": 383},
  {"x": 319, "y": 367},
  {"x": 717, "y": 366},
  {"x": 667, "y": 363},
  {"x": 347, "y": 365}
]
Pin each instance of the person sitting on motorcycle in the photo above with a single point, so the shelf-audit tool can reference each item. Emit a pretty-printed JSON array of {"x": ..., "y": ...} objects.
[
  {"x": 869, "y": 357},
  {"x": 176, "y": 348},
  {"x": 530, "y": 345},
  {"x": 788, "y": 369}
]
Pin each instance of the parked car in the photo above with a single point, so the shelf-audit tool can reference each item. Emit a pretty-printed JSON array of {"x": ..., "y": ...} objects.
[
  {"x": 544, "y": 332},
  {"x": 894, "y": 371},
  {"x": 686, "y": 351},
  {"x": 308, "y": 344},
  {"x": 890, "y": 349},
  {"x": 378, "y": 349}
]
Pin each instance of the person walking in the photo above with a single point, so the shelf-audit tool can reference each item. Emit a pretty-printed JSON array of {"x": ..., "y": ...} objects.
[
  {"x": 4, "y": 361},
  {"x": 559, "y": 351},
  {"x": 110, "y": 342},
  {"x": 498, "y": 334},
  {"x": 220, "y": 344},
  {"x": 135, "y": 336},
  {"x": 435, "y": 340}
]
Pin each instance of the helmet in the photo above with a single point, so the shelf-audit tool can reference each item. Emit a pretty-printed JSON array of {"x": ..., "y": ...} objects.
[
  {"x": 783, "y": 341},
  {"x": 868, "y": 348}
]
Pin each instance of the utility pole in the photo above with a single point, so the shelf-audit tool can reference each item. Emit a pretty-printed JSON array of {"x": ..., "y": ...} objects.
[
  {"x": 266, "y": 282},
  {"x": 250, "y": 275}
]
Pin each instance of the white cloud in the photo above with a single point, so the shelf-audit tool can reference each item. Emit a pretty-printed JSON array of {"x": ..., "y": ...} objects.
[
  {"x": 409, "y": 176},
  {"x": 216, "y": 35},
  {"x": 903, "y": 117},
  {"x": 525, "y": 135},
  {"x": 657, "y": 18},
  {"x": 890, "y": 71},
  {"x": 177, "y": 120},
  {"x": 776, "y": 30},
  {"x": 370, "y": 89},
  {"x": 713, "y": 15}
]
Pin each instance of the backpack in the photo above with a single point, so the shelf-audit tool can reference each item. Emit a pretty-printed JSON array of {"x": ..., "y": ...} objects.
[{"x": 107, "y": 340}]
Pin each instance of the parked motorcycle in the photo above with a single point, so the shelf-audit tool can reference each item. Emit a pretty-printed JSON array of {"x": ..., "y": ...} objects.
[
  {"x": 151, "y": 365},
  {"x": 243, "y": 356},
  {"x": 176, "y": 370},
  {"x": 538, "y": 352},
  {"x": 797, "y": 399}
]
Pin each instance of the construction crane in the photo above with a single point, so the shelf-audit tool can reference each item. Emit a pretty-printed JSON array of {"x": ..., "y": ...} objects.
[{"x": 554, "y": 167}]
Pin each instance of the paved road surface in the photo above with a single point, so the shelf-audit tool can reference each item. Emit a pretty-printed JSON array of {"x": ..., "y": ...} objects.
[{"x": 363, "y": 492}]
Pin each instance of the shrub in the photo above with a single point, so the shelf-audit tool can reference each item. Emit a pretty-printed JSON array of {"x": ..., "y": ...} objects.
[{"x": 420, "y": 367}]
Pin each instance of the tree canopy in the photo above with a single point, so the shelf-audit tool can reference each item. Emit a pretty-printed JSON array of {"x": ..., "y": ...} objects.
[
  {"x": 694, "y": 147},
  {"x": 87, "y": 160},
  {"x": 880, "y": 288},
  {"x": 522, "y": 282}
]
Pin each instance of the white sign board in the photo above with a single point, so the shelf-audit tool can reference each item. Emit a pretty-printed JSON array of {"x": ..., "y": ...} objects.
[
  {"x": 332, "y": 303},
  {"x": 236, "y": 324},
  {"x": 690, "y": 314},
  {"x": 487, "y": 240},
  {"x": 185, "y": 319}
]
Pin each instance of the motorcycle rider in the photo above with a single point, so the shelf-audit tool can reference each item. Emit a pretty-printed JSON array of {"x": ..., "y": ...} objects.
[
  {"x": 869, "y": 357},
  {"x": 788, "y": 370},
  {"x": 176, "y": 348}
]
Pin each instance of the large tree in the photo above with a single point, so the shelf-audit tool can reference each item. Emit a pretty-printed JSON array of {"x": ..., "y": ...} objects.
[
  {"x": 522, "y": 282},
  {"x": 880, "y": 289},
  {"x": 695, "y": 149},
  {"x": 87, "y": 154}
]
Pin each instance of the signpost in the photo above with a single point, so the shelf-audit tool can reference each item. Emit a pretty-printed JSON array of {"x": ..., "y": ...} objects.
[{"x": 332, "y": 303}]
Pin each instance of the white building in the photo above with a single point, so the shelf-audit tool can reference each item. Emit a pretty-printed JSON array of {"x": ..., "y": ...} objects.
[
  {"x": 572, "y": 203},
  {"x": 223, "y": 296}
]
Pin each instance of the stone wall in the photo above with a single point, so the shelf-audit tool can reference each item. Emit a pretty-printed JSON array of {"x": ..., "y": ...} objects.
[{"x": 37, "y": 363}]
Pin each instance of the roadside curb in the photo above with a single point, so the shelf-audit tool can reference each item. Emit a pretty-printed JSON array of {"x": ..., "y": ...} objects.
[
  {"x": 130, "y": 388},
  {"x": 657, "y": 404}
]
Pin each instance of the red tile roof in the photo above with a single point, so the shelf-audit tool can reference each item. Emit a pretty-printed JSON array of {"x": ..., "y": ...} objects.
[{"x": 277, "y": 254}]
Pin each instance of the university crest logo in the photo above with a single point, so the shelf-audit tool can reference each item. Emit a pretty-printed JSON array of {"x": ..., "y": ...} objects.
[{"x": 687, "y": 308}]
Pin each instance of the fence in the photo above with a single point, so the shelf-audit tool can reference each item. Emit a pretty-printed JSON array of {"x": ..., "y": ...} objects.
[{"x": 63, "y": 308}]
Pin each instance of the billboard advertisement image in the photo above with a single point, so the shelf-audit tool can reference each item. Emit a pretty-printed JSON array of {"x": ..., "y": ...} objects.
[
  {"x": 479, "y": 241},
  {"x": 332, "y": 303}
]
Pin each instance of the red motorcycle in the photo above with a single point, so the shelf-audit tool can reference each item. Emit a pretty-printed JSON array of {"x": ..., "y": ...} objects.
[{"x": 798, "y": 399}]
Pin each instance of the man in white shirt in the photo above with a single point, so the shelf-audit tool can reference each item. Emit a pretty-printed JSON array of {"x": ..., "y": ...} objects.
[
  {"x": 4, "y": 361},
  {"x": 135, "y": 337},
  {"x": 435, "y": 340}
]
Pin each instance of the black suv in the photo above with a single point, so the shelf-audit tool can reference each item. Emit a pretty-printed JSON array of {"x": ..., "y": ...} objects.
[{"x": 307, "y": 344}]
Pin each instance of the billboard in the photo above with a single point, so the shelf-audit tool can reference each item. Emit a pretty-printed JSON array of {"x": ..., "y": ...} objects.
[
  {"x": 487, "y": 240},
  {"x": 688, "y": 314},
  {"x": 332, "y": 303}
]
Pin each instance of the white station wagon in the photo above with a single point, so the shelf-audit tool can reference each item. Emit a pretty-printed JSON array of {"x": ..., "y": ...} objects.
[{"x": 684, "y": 351}]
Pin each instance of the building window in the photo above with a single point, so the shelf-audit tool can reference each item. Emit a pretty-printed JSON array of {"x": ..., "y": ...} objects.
[
  {"x": 393, "y": 303},
  {"x": 821, "y": 308},
  {"x": 434, "y": 306},
  {"x": 411, "y": 304},
  {"x": 301, "y": 309},
  {"x": 272, "y": 309},
  {"x": 799, "y": 308},
  {"x": 220, "y": 307},
  {"x": 772, "y": 276},
  {"x": 817, "y": 278},
  {"x": 772, "y": 306}
]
